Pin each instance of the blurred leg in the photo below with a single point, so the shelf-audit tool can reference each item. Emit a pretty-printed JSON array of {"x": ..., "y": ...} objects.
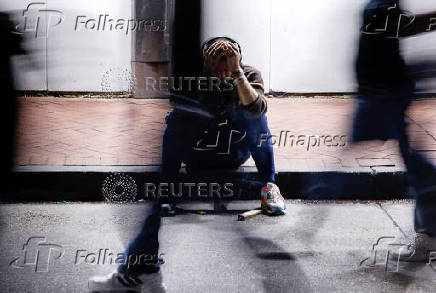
[
  {"x": 422, "y": 177},
  {"x": 146, "y": 243}
]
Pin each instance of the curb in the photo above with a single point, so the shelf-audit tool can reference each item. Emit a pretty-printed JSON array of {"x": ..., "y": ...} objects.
[{"x": 84, "y": 183}]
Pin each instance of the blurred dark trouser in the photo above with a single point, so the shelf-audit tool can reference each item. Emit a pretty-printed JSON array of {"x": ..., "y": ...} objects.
[
  {"x": 11, "y": 45},
  {"x": 385, "y": 119},
  {"x": 145, "y": 243}
]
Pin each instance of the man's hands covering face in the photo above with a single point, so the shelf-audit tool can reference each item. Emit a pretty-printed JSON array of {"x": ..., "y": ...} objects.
[{"x": 222, "y": 58}]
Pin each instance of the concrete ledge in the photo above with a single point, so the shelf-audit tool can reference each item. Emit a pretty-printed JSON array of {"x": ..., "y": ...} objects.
[
  {"x": 156, "y": 168},
  {"x": 84, "y": 183}
]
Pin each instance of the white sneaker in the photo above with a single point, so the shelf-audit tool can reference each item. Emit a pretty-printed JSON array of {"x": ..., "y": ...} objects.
[
  {"x": 121, "y": 283},
  {"x": 416, "y": 250},
  {"x": 272, "y": 201}
]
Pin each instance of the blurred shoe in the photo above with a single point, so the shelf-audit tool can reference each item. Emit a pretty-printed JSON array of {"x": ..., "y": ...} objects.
[
  {"x": 114, "y": 282},
  {"x": 168, "y": 210},
  {"x": 122, "y": 283},
  {"x": 272, "y": 202},
  {"x": 415, "y": 250}
]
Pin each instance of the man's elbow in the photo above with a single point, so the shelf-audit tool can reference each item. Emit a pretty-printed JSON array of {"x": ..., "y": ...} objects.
[{"x": 257, "y": 108}]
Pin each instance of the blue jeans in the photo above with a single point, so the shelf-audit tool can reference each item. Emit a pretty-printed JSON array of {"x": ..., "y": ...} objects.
[
  {"x": 233, "y": 142},
  {"x": 184, "y": 131}
]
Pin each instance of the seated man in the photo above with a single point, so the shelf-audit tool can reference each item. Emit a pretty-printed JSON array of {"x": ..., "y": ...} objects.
[
  {"x": 239, "y": 111},
  {"x": 237, "y": 130}
]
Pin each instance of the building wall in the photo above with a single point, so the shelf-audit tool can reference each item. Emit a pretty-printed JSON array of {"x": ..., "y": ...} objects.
[
  {"x": 248, "y": 22},
  {"x": 66, "y": 58},
  {"x": 299, "y": 46},
  {"x": 305, "y": 46}
]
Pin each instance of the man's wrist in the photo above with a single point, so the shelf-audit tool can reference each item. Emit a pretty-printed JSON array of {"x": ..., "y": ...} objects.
[
  {"x": 237, "y": 73},
  {"x": 239, "y": 80}
]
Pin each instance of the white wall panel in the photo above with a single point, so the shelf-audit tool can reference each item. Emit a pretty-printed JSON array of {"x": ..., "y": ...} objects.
[
  {"x": 314, "y": 43},
  {"x": 247, "y": 21},
  {"x": 299, "y": 46},
  {"x": 82, "y": 59}
]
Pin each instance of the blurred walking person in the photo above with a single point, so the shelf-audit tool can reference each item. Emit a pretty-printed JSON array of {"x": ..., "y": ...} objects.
[
  {"x": 11, "y": 45},
  {"x": 385, "y": 91}
]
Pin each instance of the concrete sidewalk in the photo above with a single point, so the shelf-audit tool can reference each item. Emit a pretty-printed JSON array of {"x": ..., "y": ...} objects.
[
  {"x": 128, "y": 132},
  {"x": 316, "y": 247}
]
